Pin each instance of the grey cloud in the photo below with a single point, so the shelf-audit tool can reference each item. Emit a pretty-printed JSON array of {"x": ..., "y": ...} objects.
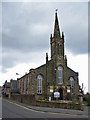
[
  {"x": 89, "y": 28},
  {"x": 15, "y": 58},
  {"x": 77, "y": 42},
  {"x": 20, "y": 37}
]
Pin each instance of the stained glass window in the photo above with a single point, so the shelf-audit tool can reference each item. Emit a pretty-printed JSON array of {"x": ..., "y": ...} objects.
[
  {"x": 39, "y": 84},
  {"x": 60, "y": 75},
  {"x": 72, "y": 83}
]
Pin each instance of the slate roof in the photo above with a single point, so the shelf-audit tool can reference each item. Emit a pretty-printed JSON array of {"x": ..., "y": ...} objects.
[{"x": 76, "y": 73}]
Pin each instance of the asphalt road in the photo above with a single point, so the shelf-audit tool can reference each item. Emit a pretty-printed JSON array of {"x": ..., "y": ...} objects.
[{"x": 10, "y": 110}]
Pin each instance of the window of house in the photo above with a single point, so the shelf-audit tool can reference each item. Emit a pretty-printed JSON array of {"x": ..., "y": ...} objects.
[
  {"x": 72, "y": 83},
  {"x": 28, "y": 82},
  {"x": 24, "y": 85},
  {"x": 39, "y": 84},
  {"x": 59, "y": 75}
]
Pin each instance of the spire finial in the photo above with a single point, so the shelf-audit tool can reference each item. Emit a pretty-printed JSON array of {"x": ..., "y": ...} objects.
[{"x": 56, "y": 10}]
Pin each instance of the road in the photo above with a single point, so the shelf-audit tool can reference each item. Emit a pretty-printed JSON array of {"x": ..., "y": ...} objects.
[{"x": 16, "y": 110}]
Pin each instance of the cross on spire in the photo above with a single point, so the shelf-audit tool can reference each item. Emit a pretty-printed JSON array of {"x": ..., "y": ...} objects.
[{"x": 56, "y": 10}]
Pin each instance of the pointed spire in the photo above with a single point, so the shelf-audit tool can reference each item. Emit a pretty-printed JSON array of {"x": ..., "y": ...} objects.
[{"x": 56, "y": 26}]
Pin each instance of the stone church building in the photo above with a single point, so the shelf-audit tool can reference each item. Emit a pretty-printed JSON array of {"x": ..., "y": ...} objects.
[{"x": 54, "y": 76}]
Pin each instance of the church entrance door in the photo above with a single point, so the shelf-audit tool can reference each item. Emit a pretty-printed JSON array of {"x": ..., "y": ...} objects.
[{"x": 61, "y": 94}]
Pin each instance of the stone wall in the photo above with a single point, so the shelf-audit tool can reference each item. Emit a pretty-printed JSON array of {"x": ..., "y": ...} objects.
[
  {"x": 58, "y": 105},
  {"x": 27, "y": 99},
  {"x": 30, "y": 99}
]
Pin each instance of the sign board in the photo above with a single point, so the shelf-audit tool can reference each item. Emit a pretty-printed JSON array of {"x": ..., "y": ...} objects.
[
  {"x": 68, "y": 90},
  {"x": 56, "y": 94},
  {"x": 51, "y": 90},
  {"x": 49, "y": 98}
]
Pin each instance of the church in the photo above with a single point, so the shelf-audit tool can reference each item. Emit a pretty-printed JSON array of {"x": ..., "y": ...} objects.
[{"x": 54, "y": 75}]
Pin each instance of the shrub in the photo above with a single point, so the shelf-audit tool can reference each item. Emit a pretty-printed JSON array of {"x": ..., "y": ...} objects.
[{"x": 41, "y": 98}]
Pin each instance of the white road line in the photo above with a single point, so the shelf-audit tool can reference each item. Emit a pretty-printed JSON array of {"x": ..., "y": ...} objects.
[{"x": 43, "y": 111}]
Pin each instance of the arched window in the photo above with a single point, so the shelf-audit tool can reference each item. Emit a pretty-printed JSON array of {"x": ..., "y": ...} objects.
[
  {"x": 72, "y": 83},
  {"x": 39, "y": 84},
  {"x": 59, "y": 75},
  {"x": 24, "y": 85}
]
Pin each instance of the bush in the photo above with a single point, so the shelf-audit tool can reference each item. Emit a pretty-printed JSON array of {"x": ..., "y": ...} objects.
[
  {"x": 75, "y": 101},
  {"x": 85, "y": 103},
  {"x": 47, "y": 99},
  {"x": 41, "y": 98}
]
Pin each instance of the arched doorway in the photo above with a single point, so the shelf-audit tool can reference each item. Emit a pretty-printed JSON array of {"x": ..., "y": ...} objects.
[{"x": 61, "y": 93}]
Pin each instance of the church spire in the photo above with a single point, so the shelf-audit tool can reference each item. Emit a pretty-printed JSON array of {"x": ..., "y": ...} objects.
[{"x": 56, "y": 26}]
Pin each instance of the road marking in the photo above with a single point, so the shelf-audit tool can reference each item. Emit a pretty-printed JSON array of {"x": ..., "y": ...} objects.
[
  {"x": 43, "y": 111},
  {"x": 25, "y": 107}
]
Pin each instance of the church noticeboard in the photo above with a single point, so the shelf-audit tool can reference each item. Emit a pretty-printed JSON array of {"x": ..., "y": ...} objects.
[
  {"x": 68, "y": 90},
  {"x": 56, "y": 94},
  {"x": 51, "y": 90}
]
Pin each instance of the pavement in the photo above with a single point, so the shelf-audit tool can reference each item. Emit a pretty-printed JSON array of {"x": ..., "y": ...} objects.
[
  {"x": 59, "y": 110},
  {"x": 54, "y": 110}
]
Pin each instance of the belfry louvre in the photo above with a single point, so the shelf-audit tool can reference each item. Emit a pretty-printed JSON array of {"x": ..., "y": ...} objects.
[{"x": 54, "y": 76}]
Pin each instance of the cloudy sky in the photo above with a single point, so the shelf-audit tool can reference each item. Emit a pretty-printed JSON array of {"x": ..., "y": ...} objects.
[{"x": 26, "y": 29}]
